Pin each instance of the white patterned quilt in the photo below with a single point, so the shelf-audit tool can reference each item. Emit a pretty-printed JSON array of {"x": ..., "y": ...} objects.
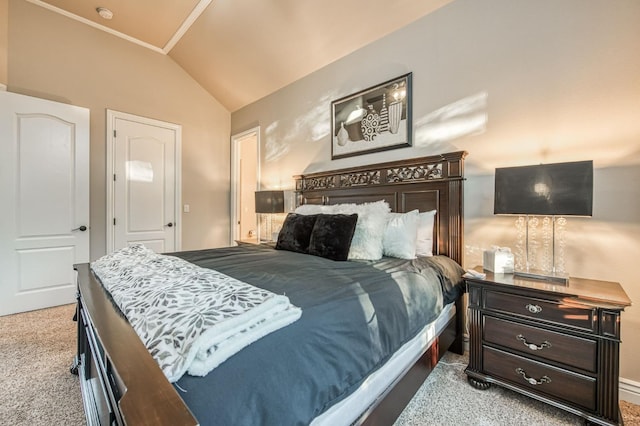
[{"x": 190, "y": 318}]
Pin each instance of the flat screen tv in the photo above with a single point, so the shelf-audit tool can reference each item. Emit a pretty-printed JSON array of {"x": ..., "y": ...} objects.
[{"x": 560, "y": 189}]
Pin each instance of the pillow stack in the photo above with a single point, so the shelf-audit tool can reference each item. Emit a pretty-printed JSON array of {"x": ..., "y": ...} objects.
[
  {"x": 324, "y": 235},
  {"x": 367, "y": 238},
  {"x": 357, "y": 231}
]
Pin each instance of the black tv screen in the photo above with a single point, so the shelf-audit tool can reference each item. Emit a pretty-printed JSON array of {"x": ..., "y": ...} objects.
[{"x": 546, "y": 189}]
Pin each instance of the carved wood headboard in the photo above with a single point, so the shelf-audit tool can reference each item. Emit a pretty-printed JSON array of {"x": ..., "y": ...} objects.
[{"x": 426, "y": 183}]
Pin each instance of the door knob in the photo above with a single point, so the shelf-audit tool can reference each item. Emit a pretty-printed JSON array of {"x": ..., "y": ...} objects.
[
  {"x": 170, "y": 224},
  {"x": 80, "y": 228}
]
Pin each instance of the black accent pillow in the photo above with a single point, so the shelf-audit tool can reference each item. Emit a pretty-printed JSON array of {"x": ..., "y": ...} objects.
[
  {"x": 296, "y": 233},
  {"x": 332, "y": 234}
]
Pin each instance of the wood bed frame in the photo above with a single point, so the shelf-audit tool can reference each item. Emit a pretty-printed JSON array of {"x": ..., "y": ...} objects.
[{"x": 122, "y": 384}]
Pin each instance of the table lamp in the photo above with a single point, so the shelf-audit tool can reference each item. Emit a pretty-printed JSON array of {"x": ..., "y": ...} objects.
[
  {"x": 550, "y": 190},
  {"x": 267, "y": 204}
]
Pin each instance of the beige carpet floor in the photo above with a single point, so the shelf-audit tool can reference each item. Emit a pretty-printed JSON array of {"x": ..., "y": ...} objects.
[
  {"x": 36, "y": 351},
  {"x": 446, "y": 398},
  {"x": 36, "y": 388}
]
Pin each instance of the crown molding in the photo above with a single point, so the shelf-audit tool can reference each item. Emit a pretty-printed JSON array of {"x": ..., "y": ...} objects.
[{"x": 195, "y": 13}]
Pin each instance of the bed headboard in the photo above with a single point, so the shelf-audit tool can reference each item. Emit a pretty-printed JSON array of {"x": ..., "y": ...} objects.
[{"x": 426, "y": 183}]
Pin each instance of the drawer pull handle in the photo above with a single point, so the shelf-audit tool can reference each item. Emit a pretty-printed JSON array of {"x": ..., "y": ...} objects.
[
  {"x": 531, "y": 380},
  {"x": 533, "y": 346},
  {"x": 534, "y": 309}
]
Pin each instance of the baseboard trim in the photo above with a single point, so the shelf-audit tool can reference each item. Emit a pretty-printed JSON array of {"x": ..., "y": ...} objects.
[
  {"x": 3, "y": 87},
  {"x": 629, "y": 391}
]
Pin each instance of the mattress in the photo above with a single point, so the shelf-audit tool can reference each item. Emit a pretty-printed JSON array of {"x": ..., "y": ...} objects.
[
  {"x": 363, "y": 323},
  {"x": 349, "y": 410}
]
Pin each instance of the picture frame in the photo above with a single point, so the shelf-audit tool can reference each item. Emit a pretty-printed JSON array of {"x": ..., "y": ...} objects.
[{"x": 372, "y": 120}]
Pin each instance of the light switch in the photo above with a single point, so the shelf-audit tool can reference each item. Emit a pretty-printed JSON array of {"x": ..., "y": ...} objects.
[{"x": 186, "y": 208}]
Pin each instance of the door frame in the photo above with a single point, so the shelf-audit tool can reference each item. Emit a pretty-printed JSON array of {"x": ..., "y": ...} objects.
[
  {"x": 235, "y": 175},
  {"x": 112, "y": 116}
]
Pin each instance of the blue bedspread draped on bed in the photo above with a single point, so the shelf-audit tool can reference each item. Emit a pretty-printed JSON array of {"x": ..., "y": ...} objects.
[{"x": 354, "y": 316}]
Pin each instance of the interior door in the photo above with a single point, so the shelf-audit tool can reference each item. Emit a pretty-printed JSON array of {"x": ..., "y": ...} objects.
[
  {"x": 44, "y": 188},
  {"x": 145, "y": 196}
]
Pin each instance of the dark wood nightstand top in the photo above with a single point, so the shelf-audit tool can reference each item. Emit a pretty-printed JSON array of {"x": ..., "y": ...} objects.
[
  {"x": 247, "y": 241},
  {"x": 596, "y": 291},
  {"x": 254, "y": 241}
]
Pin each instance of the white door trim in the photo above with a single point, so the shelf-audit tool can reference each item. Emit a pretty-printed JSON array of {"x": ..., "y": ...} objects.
[
  {"x": 112, "y": 116},
  {"x": 235, "y": 176}
]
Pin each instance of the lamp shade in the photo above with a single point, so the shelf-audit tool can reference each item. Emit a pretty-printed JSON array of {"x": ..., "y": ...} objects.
[
  {"x": 269, "y": 201},
  {"x": 560, "y": 189}
]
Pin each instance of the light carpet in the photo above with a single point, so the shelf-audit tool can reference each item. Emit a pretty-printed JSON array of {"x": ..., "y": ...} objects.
[
  {"x": 446, "y": 398},
  {"x": 37, "y": 348},
  {"x": 36, "y": 351}
]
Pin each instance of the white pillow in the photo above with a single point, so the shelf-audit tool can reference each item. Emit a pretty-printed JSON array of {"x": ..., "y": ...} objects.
[
  {"x": 367, "y": 238},
  {"x": 313, "y": 209},
  {"x": 424, "y": 243},
  {"x": 400, "y": 235}
]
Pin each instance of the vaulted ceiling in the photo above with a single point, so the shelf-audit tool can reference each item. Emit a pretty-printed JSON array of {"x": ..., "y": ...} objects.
[{"x": 243, "y": 50}]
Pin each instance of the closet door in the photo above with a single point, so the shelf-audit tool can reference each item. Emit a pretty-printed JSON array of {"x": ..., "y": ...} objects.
[
  {"x": 44, "y": 190},
  {"x": 144, "y": 207}
]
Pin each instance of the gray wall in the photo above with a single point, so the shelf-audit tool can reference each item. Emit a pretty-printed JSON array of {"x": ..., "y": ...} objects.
[{"x": 512, "y": 82}]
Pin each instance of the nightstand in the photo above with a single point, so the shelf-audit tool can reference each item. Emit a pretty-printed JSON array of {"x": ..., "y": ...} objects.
[
  {"x": 254, "y": 242},
  {"x": 249, "y": 241},
  {"x": 555, "y": 343}
]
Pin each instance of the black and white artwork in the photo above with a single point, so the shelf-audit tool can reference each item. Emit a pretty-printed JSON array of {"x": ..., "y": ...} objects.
[{"x": 375, "y": 119}]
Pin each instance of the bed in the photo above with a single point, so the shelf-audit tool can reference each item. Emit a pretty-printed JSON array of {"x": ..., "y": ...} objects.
[{"x": 122, "y": 384}]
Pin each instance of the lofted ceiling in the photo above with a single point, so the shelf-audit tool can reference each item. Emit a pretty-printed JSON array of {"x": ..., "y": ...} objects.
[{"x": 243, "y": 50}]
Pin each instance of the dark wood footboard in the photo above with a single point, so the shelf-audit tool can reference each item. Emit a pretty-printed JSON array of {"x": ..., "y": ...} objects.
[{"x": 121, "y": 383}]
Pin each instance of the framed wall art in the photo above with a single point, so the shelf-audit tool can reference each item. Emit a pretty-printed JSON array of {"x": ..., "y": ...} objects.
[{"x": 372, "y": 120}]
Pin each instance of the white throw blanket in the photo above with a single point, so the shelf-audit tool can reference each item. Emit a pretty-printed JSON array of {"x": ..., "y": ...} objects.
[{"x": 190, "y": 318}]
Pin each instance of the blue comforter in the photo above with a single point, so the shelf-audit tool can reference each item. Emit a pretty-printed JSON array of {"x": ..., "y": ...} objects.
[{"x": 354, "y": 316}]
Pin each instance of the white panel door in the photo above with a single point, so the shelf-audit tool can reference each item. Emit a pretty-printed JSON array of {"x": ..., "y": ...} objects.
[
  {"x": 44, "y": 188},
  {"x": 144, "y": 196}
]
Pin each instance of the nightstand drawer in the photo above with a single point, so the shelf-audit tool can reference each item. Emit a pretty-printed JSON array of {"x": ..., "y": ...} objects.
[
  {"x": 570, "y": 350},
  {"x": 564, "y": 314},
  {"x": 539, "y": 377}
]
